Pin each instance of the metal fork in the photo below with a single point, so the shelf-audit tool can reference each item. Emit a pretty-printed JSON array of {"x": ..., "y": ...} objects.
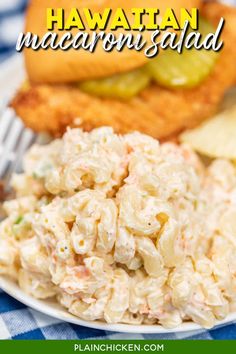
[{"x": 14, "y": 141}]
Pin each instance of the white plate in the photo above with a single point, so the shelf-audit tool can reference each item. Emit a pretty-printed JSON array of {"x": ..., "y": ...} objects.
[
  {"x": 11, "y": 75},
  {"x": 54, "y": 309}
]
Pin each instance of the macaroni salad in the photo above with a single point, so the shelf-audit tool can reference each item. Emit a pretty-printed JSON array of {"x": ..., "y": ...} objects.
[{"x": 124, "y": 230}]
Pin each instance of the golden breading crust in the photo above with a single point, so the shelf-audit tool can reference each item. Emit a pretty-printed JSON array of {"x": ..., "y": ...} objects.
[
  {"x": 61, "y": 67},
  {"x": 156, "y": 111}
]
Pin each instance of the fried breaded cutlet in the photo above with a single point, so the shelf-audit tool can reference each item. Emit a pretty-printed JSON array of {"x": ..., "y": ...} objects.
[{"x": 157, "y": 111}]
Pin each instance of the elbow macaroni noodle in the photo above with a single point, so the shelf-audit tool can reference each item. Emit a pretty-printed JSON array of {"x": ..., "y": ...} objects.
[{"x": 123, "y": 229}]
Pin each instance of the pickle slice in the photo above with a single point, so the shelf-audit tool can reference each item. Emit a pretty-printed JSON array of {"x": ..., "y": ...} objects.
[
  {"x": 185, "y": 70},
  {"x": 123, "y": 86}
]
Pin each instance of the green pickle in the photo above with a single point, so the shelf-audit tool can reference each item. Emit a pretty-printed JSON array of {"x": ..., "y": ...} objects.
[
  {"x": 123, "y": 86},
  {"x": 186, "y": 70},
  {"x": 170, "y": 69}
]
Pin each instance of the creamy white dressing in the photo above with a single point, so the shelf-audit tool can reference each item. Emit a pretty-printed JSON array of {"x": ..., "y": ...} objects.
[{"x": 123, "y": 229}]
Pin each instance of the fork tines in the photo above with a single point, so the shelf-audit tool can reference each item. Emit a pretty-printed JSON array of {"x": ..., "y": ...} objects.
[{"x": 14, "y": 140}]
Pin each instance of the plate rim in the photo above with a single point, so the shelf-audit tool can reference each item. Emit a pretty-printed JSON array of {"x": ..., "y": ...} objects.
[{"x": 45, "y": 307}]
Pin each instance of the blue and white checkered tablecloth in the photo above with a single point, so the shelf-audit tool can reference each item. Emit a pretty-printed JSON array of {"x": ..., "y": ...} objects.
[
  {"x": 20, "y": 322},
  {"x": 11, "y": 24}
]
